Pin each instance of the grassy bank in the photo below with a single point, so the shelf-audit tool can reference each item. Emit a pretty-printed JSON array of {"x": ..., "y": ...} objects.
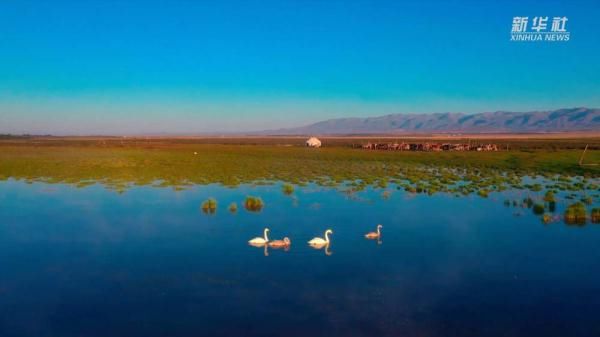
[{"x": 180, "y": 164}]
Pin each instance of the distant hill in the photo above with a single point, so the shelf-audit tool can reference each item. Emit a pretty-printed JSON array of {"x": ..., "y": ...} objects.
[{"x": 574, "y": 119}]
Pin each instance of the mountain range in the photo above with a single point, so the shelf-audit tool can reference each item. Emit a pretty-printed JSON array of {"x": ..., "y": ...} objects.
[{"x": 561, "y": 120}]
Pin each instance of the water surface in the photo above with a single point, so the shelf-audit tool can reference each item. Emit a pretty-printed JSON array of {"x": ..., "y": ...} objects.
[{"x": 148, "y": 262}]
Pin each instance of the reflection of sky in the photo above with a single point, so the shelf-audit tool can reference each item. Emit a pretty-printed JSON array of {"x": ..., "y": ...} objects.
[
  {"x": 147, "y": 262},
  {"x": 90, "y": 67}
]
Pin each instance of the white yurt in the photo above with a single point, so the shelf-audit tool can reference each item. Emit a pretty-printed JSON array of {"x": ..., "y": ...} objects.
[{"x": 313, "y": 142}]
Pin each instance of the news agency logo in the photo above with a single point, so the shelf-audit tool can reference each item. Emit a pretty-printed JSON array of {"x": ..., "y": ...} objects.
[{"x": 539, "y": 31}]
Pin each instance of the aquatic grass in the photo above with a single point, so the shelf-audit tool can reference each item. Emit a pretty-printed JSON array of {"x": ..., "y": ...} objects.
[
  {"x": 549, "y": 196},
  {"x": 483, "y": 193},
  {"x": 209, "y": 206},
  {"x": 535, "y": 188},
  {"x": 382, "y": 183},
  {"x": 287, "y": 189},
  {"x": 576, "y": 214},
  {"x": 253, "y": 204},
  {"x": 410, "y": 189}
]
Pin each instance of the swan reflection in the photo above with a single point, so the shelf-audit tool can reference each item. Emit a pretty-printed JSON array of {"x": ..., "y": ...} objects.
[
  {"x": 260, "y": 245},
  {"x": 324, "y": 246}
]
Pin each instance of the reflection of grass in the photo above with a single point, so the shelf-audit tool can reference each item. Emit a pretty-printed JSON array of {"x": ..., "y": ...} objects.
[
  {"x": 233, "y": 207},
  {"x": 595, "y": 215},
  {"x": 538, "y": 208},
  {"x": 547, "y": 218},
  {"x": 253, "y": 204},
  {"x": 209, "y": 206}
]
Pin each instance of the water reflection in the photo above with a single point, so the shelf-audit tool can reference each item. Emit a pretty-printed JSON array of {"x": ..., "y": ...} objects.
[
  {"x": 324, "y": 246},
  {"x": 267, "y": 246}
]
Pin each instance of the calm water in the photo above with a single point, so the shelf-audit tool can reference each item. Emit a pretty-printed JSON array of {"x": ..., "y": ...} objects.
[{"x": 92, "y": 262}]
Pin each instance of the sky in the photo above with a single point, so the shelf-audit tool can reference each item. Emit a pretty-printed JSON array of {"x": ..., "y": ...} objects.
[{"x": 140, "y": 67}]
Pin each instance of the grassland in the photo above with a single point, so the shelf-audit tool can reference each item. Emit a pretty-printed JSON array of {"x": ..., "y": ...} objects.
[
  {"x": 118, "y": 163},
  {"x": 542, "y": 169}
]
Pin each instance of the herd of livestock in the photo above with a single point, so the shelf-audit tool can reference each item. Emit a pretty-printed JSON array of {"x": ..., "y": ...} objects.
[{"x": 430, "y": 147}]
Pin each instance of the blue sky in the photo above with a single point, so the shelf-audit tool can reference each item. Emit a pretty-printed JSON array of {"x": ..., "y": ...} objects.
[{"x": 115, "y": 67}]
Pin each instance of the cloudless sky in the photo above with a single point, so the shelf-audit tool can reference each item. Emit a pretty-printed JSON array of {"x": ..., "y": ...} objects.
[{"x": 116, "y": 67}]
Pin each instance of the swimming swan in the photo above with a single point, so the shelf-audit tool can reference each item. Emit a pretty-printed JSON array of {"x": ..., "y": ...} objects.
[
  {"x": 260, "y": 241},
  {"x": 321, "y": 241},
  {"x": 374, "y": 235},
  {"x": 280, "y": 243}
]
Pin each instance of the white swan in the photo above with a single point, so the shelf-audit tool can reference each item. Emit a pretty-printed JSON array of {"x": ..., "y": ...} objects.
[
  {"x": 260, "y": 241},
  {"x": 321, "y": 241}
]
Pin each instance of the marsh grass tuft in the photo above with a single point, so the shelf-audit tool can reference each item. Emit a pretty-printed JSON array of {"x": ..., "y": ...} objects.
[
  {"x": 549, "y": 197},
  {"x": 253, "y": 204},
  {"x": 576, "y": 214},
  {"x": 287, "y": 189},
  {"x": 209, "y": 206},
  {"x": 483, "y": 193}
]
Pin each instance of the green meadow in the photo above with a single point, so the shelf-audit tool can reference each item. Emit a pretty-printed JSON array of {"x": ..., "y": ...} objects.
[{"x": 179, "y": 165}]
